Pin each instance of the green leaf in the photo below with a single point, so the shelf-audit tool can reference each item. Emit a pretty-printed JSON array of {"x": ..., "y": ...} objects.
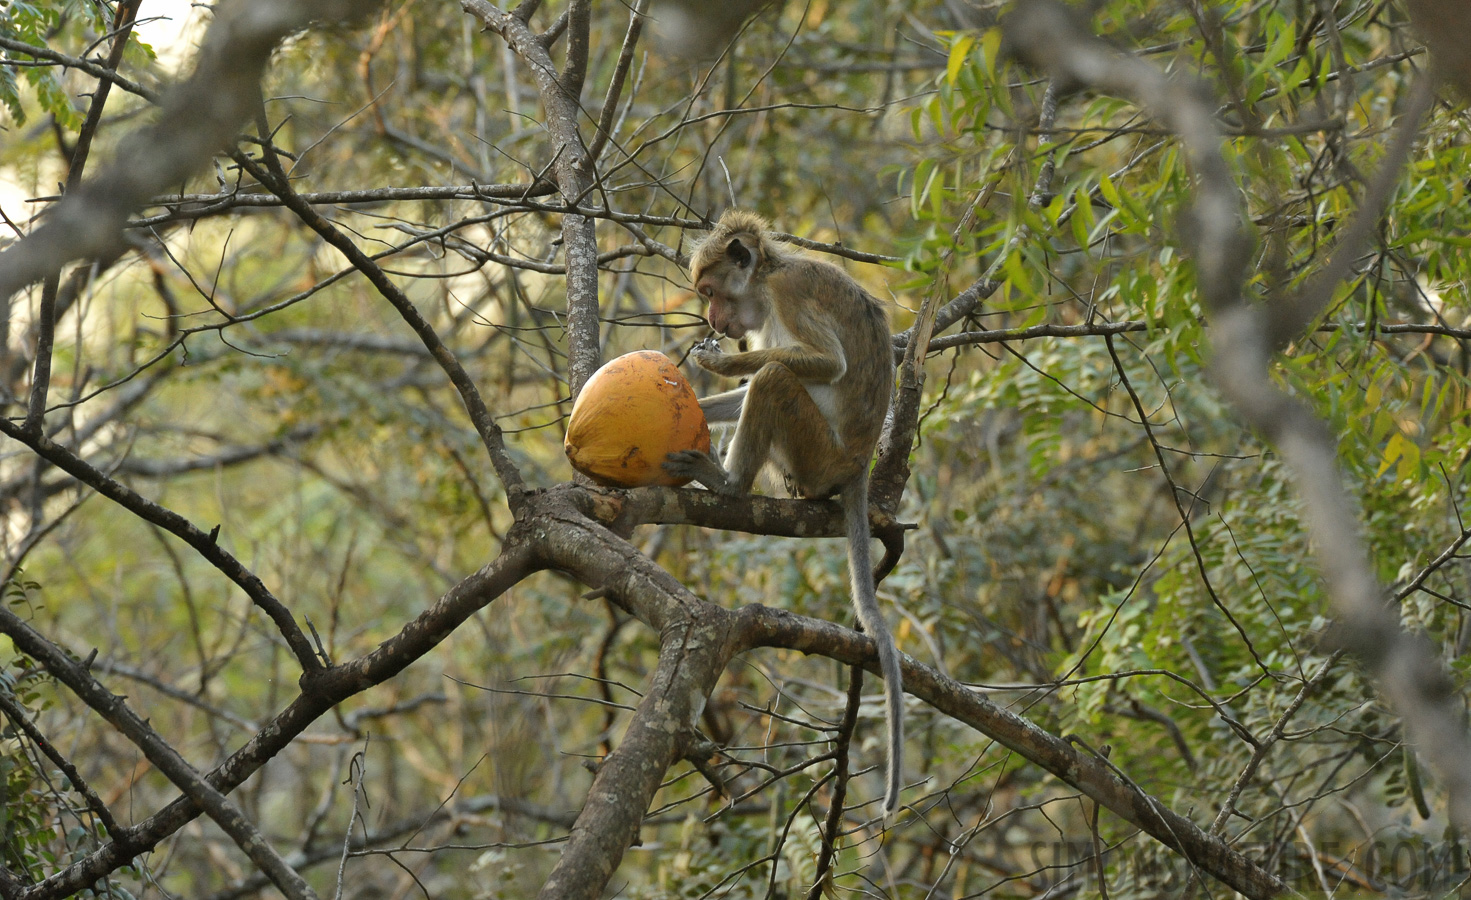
[{"x": 959, "y": 53}]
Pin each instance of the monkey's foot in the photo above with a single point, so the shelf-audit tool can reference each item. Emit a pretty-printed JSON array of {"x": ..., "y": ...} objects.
[{"x": 697, "y": 466}]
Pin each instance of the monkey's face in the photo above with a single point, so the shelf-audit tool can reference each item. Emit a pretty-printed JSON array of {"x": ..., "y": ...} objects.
[
  {"x": 725, "y": 315},
  {"x": 725, "y": 283}
]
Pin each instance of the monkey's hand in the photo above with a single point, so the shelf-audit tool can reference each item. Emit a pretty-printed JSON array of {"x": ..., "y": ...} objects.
[
  {"x": 697, "y": 466},
  {"x": 708, "y": 355}
]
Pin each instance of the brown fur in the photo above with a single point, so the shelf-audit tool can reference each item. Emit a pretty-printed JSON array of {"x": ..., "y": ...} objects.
[{"x": 828, "y": 327}]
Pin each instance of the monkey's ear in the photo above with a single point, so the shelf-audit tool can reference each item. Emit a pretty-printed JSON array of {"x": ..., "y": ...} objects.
[{"x": 738, "y": 253}]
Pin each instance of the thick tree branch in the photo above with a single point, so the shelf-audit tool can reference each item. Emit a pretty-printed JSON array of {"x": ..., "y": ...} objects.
[
  {"x": 751, "y": 513},
  {"x": 695, "y": 646},
  {"x": 692, "y": 655},
  {"x": 661, "y": 602},
  {"x": 698, "y": 641},
  {"x": 579, "y": 22}
]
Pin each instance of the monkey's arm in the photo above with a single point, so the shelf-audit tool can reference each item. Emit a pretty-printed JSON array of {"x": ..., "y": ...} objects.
[
  {"x": 807, "y": 362},
  {"x": 724, "y": 407}
]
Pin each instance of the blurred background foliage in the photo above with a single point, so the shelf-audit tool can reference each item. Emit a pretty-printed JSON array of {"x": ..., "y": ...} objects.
[{"x": 1148, "y": 590}]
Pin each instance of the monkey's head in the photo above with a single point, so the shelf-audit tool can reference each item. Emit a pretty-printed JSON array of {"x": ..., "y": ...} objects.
[{"x": 725, "y": 268}]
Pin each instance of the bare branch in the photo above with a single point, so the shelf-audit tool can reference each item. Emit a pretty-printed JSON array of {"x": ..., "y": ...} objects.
[
  {"x": 519, "y": 558},
  {"x": 230, "y": 456},
  {"x": 17, "y": 714},
  {"x": 205, "y": 544},
  {"x": 480, "y": 417},
  {"x": 407, "y": 826},
  {"x": 963, "y": 305},
  {"x": 186, "y": 207},
  {"x": 609, "y": 114},
  {"x": 116, "y": 712},
  {"x": 570, "y": 161}
]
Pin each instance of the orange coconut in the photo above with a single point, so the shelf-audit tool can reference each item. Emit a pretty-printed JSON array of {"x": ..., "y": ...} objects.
[{"x": 632, "y": 413}]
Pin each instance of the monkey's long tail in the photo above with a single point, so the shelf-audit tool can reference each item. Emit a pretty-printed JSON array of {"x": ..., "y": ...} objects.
[{"x": 865, "y": 603}]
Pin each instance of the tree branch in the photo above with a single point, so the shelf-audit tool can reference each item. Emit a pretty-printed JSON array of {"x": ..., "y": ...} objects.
[
  {"x": 695, "y": 645},
  {"x": 609, "y": 114},
  {"x": 480, "y": 417},
  {"x": 1090, "y": 773},
  {"x": 570, "y": 162},
  {"x": 230, "y": 456},
  {"x": 519, "y": 558},
  {"x": 116, "y": 712},
  {"x": 205, "y": 544},
  {"x": 18, "y": 715},
  {"x": 96, "y": 70},
  {"x": 198, "y": 117}
]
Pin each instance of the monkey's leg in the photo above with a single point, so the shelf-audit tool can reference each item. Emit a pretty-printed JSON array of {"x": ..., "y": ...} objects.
[
  {"x": 698, "y": 466},
  {"x": 780, "y": 421},
  {"x": 775, "y": 405}
]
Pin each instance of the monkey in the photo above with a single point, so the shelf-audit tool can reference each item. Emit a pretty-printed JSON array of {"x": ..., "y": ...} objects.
[{"x": 821, "y": 369}]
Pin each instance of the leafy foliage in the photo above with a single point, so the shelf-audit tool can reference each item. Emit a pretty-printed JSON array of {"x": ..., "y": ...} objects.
[{"x": 40, "y": 24}]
